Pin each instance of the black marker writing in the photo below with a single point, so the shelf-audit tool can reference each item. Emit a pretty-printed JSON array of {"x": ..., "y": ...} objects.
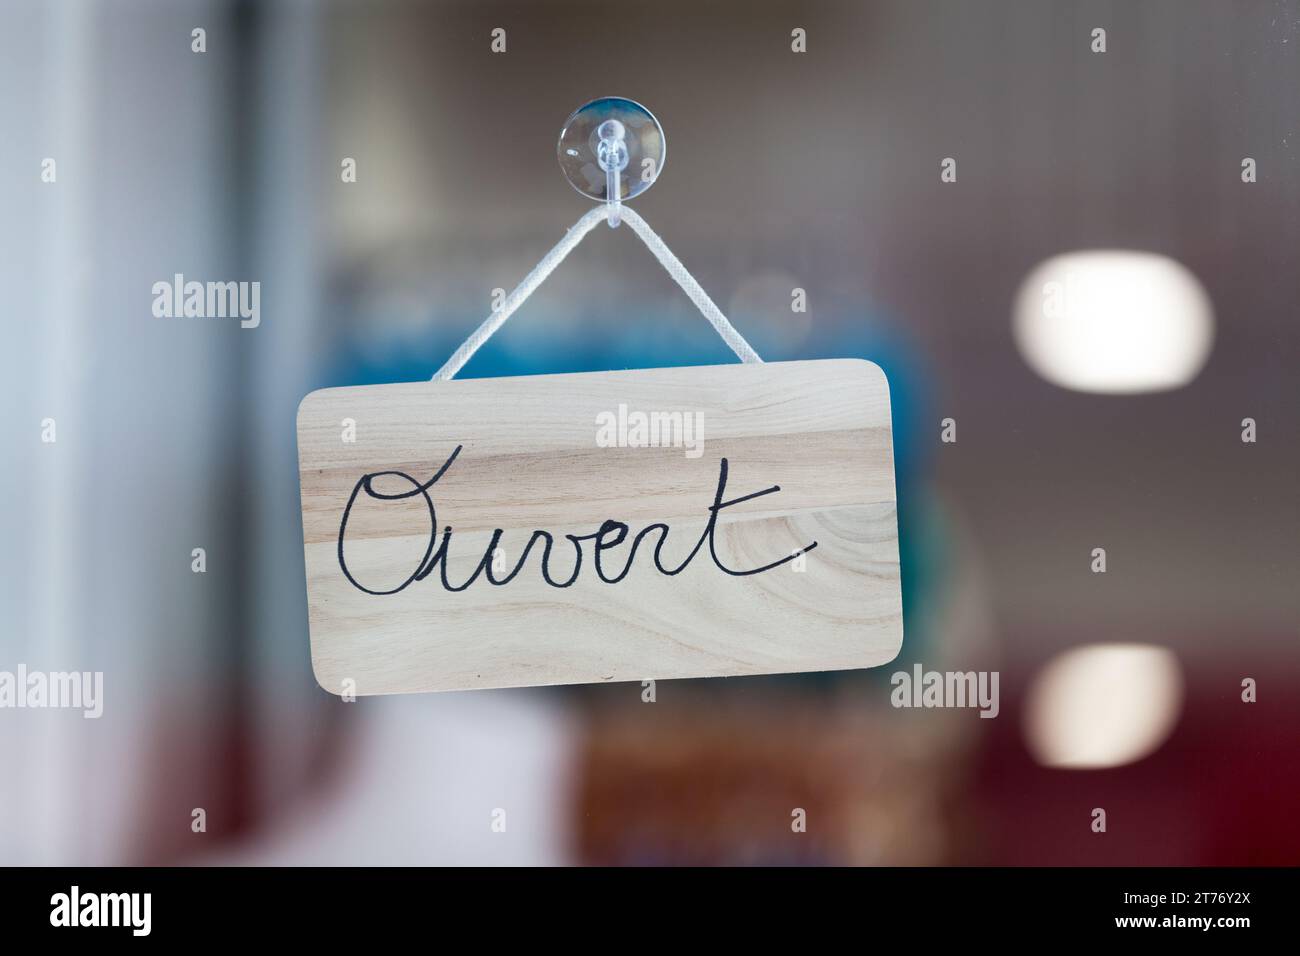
[{"x": 611, "y": 534}]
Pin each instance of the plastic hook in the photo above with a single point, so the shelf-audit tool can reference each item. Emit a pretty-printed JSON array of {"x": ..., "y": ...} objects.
[
  {"x": 611, "y": 150},
  {"x": 611, "y": 155}
]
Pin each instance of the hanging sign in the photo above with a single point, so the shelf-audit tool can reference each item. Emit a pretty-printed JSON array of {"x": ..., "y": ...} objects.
[{"x": 609, "y": 526}]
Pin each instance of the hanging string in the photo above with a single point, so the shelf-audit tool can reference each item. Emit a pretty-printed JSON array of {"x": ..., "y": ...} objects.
[{"x": 598, "y": 214}]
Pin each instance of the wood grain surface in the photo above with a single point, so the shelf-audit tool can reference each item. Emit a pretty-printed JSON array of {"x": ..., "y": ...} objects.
[{"x": 529, "y": 461}]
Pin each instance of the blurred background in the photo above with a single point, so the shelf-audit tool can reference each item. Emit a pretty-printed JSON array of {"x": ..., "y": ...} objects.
[{"x": 818, "y": 170}]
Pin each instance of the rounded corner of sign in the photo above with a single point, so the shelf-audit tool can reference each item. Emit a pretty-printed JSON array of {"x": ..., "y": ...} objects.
[
  {"x": 322, "y": 680},
  {"x": 894, "y": 650},
  {"x": 302, "y": 405},
  {"x": 872, "y": 370},
  {"x": 871, "y": 377}
]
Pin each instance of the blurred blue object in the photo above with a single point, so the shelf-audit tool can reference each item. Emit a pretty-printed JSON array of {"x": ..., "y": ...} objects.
[{"x": 922, "y": 550}]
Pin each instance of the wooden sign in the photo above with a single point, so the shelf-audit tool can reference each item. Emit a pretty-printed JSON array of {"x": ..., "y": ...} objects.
[{"x": 608, "y": 526}]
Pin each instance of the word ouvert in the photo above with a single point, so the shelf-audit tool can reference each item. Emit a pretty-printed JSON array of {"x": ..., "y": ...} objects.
[{"x": 610, "y": 535}]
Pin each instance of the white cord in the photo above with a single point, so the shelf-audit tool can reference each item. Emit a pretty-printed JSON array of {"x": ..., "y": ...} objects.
[{"x": 575, "y": 235}]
